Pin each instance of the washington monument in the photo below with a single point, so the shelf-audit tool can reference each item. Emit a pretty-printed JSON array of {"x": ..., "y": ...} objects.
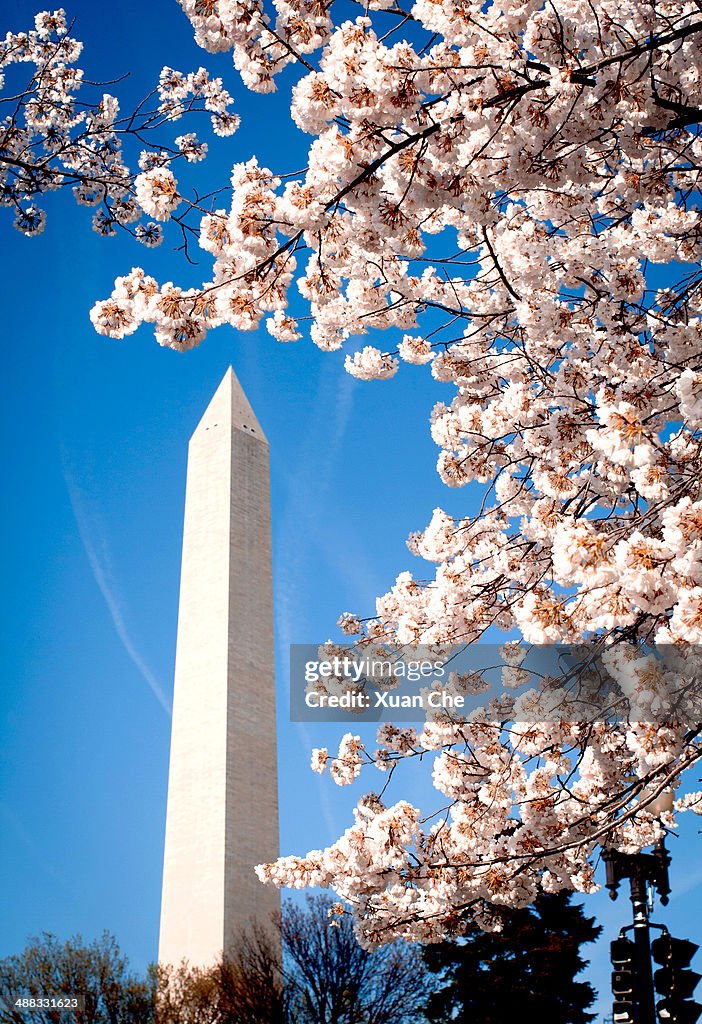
[{"x": 222, "y": 816}]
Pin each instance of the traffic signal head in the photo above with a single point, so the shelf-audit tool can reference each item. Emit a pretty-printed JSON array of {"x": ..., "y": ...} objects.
[
  {"x": 622, "y": 957},
  {"x": 673, "y": 1012},
  {"x": 676, "y": 952},
  {"x": 674, "y": 980},
  {"x": 682, "y": 982},
  {"x": 622, "y": 953},
  {"x": 622, "y": 1013},
  {"x": 622, "y": 984}
]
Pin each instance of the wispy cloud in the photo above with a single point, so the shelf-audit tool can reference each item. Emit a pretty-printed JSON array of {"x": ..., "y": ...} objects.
[{"x": 106, "y": 587}]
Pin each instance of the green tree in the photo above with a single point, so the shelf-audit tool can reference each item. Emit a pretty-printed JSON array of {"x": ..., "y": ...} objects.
[
  {"x": 96, "y": 972},
  {"x": 527, "y": 971}
]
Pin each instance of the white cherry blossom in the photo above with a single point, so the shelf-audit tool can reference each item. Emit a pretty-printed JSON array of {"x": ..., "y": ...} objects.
[{"x": 509, "y": 195}]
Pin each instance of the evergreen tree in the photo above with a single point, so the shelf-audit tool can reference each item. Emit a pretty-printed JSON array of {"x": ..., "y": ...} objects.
[{"x": 525, "y": 972}]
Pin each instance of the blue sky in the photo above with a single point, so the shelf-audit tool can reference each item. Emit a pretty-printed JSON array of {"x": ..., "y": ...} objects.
[{"x": 93, "y": 467}]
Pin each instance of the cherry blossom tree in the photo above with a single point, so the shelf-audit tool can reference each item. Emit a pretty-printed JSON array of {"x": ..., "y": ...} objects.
[
  {"x": 510, "y": 193},
  {"x": 59, "y": 131}
]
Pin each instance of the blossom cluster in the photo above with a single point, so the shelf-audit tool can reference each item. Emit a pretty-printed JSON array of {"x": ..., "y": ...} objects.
[
  {"x": 570, "y": 366},
  {"x": 513, "y": 191},
  {"x": 58, "y": 136},
  {"x": 261, "y": 48},
  {"x": 526, "y": 804},
  {"x": 251, "y": 276}
]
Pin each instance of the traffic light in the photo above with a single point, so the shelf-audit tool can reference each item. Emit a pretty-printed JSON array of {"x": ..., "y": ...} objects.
[
  {"x": 674, "y": 980},
  {"x": 623, "y": 981}
]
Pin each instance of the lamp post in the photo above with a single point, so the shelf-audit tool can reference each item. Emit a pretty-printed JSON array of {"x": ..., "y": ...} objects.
[{"x": 642, "y": 870}]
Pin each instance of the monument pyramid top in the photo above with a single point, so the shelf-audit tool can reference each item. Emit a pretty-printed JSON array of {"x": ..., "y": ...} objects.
[{"x": 230, "y": 407}]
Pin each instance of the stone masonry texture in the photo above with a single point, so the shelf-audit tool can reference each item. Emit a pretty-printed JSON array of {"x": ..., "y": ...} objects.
[{"x": 222, "y": 816}]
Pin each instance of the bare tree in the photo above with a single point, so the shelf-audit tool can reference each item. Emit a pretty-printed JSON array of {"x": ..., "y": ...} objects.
[
  {"x": 33, "y": 983},
  {"x": 243, "y": 988},
  {"x": 331, "y": 979},
  {"x": 325, "y": 977}
]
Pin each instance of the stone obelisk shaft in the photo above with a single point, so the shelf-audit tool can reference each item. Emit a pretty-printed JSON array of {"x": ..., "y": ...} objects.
[{"x": 222, "y": 816}]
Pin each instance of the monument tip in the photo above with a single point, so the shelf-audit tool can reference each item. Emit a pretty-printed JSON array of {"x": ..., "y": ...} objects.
[{"x": 229, "y": 407}]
